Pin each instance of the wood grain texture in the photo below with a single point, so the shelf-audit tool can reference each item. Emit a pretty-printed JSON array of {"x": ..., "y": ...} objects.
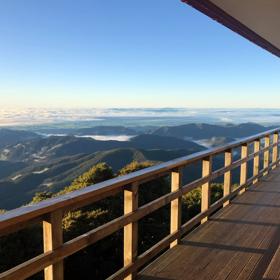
[
  {"x": 38, "y": 263},
  {"x": 130, "y": 237},
  {"x": 176, "y": 204},
  {"x": 266, "y": 155},
  {"x": 206, "y": 189},
  {"x": 244, "y": 166},
  {"x": 275, "y": 148},
  {"x": 240, "y": 241},
  {"x": 256, "y": 162},
  {"x": 227, "y": 175},
  {"x": 52, "y": 239}
]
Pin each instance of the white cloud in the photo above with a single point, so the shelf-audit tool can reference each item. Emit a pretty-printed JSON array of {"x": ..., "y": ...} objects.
[{"x": 37, "y": 116}]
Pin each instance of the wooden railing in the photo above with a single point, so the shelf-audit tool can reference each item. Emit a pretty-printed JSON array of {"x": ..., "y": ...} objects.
[{"x": 50, "y": 212}]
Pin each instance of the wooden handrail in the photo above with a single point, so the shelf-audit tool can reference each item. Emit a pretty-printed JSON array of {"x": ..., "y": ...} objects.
[
  {"x": 92, "y": 193},
  {"x": 163, "y": 244},
  {"x": 50, "y": 212}
]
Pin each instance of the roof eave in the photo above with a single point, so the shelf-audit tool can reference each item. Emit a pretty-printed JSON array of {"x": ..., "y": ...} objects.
[{"x": 219, "y": 15}]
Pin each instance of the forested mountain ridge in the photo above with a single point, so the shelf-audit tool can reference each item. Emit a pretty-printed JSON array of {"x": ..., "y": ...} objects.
[
  {"x": 104, "y": 257},
  {"x": 19, "y": 187},
  {"x": 41, "y": 163},
  {"x": 12, "y": 137},
  {"x": 45, "y": 149},
  {"x": 206, "y": 131},
  {"x": 106, "y": 130}
]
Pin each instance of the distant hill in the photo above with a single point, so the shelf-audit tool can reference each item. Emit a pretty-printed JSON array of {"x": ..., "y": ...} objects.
[
  {"x": 206, "y": 131},
  {"x": 30, "y": 163},
  {"x": 7, "y": 168},
  {"x": 106, "y": 130},
  {"x": 148, "y": 141},
  {"x": 11, "y": 137},
  {"x": 214, "y": 141},
  {"x": 97, "y": 130},
  {"x": 45, "y": 149},
  {"x": 20, "y": 187},
  {"x": 51, "y": 163}
]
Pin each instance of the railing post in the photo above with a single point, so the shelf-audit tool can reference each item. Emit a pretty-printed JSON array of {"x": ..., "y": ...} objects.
[
  {"x": 227, "y": 175},
  {"x": 266, "y": 155},
  {"x": 243, "y": 167},
  {"x": 206, "y": 188},
  {"x": 53, "y": 238},
  {"x": 256, "y": 164},
  {"x": 130, "y": 230},
  {"x": 176, "y": 204},
  {"x": 275, "y": 149}
]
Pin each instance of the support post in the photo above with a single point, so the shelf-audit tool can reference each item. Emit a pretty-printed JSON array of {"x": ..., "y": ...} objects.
[
  {"x": 130, "y": 230},
  {"x": 53, "y": 238},
  {"x": 256, "y": 164},
  {"x": 243, "y": 167},
  {"x": 227, "y": 176},
  {"x": 206, "y": 188},
  {"x": 176, "y": 204},
  {"x": 266, "y": 155},
  {"x": 275, "y": 149}
]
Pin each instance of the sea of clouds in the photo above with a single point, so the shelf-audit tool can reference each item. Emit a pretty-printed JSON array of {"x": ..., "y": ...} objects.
[{"x": 161, "y": 116}]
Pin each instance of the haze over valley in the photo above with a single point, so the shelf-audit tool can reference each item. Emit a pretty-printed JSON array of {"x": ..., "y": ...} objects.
[{"x": 48, "y": 158}]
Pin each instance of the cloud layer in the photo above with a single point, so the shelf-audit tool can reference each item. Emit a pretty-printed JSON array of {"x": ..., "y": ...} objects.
[{"x": 156, "y": 116}]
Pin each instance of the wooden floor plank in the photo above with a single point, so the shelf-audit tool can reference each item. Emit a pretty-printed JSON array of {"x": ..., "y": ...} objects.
[
  {"x": 257, "y": 264},
  {"x": 241, "y": 241},
  {"x": 273, "y": 270}
]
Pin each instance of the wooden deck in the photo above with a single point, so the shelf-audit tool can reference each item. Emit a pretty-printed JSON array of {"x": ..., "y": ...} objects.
[{"x": 239, "y": 242}]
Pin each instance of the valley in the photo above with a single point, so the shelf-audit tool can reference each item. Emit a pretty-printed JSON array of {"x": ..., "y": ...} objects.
[{"x": 32, "y": 162}]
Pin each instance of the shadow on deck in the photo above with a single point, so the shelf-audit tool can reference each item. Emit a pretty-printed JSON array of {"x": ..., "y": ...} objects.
[{"x": 239, "y": 242}]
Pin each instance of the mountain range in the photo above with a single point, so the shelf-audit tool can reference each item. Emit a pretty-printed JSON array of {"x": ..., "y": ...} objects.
[
  {"x": 48, "y": 148},
  {"x": 206, "y": 131},
  {"x": 32, "y": 162}
]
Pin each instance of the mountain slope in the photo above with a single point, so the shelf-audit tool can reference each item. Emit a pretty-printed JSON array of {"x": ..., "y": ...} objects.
[
  {"x": 45, "y": 149},
  {"x": 7, "y": 168},
  {"x": 12, "y": 137},
  {"x": 106, "y": 130},
  {"x": 148, "y": 141},
  {"x": 20, "y": 187},
  {"x": 205, "y": 131}
]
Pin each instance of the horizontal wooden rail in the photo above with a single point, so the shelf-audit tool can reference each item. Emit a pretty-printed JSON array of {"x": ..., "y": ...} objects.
[
  {"x": 50, "y": 211},
  {"x": 163, "y": 244},
  {"x": 93, "y": 193}
]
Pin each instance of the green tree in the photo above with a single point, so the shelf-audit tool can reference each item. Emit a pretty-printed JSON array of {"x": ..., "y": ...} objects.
[
  {"x": 103, "y": 258},
  {"x": 150, "y": 190},
  {"x": 134, "y": 166},
  {"x": 83, "y": 220},
  {"x": 25, "y": 244},
  {"x": 96, "y": 174},
  {"x": 192, "y": 200},
  {"x": 155, "y": 226},
  {"x": 40, "y": 196}
]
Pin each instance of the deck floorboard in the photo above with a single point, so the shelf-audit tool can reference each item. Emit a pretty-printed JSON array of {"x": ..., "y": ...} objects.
[{"x": 240, "y": 241}]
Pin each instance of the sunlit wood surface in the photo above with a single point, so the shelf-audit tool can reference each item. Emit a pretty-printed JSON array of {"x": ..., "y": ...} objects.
[{"x": 239, "y": 242}]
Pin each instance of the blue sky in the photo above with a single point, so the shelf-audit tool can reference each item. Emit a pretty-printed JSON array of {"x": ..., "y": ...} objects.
[{"x": 128, "y": 53}]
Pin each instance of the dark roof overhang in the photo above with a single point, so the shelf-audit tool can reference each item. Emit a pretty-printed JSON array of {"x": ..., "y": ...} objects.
[{"x": 258, "y": 21}]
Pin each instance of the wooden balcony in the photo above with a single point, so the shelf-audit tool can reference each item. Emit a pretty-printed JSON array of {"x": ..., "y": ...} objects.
[
  {"x": 238, "y": 242},
  {"x": 236, "y": 237}
]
